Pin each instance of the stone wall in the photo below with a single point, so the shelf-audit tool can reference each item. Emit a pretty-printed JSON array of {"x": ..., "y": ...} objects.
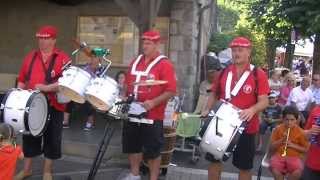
[{"x": 184, "y": 35}]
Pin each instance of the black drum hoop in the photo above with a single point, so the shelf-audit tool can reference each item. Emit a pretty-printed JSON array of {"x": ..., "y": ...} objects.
[{"x": 3, "y": 103}]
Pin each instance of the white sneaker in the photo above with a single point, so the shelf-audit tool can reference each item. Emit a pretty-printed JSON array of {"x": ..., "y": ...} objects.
[
  {"x": 88, "y": 126},
  {"x": 130, "y": 176}
]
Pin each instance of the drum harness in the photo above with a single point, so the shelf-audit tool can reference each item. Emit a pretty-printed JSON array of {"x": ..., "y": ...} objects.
[
  {"x": 139, "y": 114},
  {"x": 228, "y": 97}
]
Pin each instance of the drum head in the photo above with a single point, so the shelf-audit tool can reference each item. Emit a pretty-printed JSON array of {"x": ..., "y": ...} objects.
[
  {"x": 71, "y": 94},
  {"x": 97, "y": 103},
  {"x": 38, "y": 112}
]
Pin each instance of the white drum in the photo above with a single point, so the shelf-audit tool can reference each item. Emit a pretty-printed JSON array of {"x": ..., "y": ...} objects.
[
  {"x": 73, "y": 83},
  {"x": 25, "y": 110},
  {"x": 223, "y": 131},
  {"x": 102, "y": 93}
]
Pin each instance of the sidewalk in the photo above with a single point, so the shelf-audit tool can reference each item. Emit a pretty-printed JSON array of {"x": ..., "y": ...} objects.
[{"x": 80, "y": 147}]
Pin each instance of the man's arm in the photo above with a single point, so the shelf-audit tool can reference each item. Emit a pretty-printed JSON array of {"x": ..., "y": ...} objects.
[
  {"x": 21, "y": 85},
  {"x": 261, "y": 104},
  {"x": 149, "y": 104},
  {"x": 48, "y": 88},
  {"x": 210, "y": 103}
]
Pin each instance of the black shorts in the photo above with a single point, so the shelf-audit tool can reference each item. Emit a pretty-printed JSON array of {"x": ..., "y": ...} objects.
[
  {"x": 143, "y": 138},
  {"x": 243, "y": 155},
  {"x": 309, "y": 174},
  {"x": 50, "y": 142}
]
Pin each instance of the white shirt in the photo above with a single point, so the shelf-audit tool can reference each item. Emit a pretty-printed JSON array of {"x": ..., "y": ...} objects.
[
  {"x": 316, "y": 94},
  {"x": 300, "y": 97}
]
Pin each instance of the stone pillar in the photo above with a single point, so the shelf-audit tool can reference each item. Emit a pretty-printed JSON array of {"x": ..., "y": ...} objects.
[{"x": 183, "y": 48}]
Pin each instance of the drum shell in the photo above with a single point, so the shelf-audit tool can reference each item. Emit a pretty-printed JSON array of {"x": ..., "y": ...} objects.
[
  {"x": 102, "y": 93},
  {"x": 73, "y": 83},
  {"x": 221, "y": 131},
  {"x": 18, "y": 109}
]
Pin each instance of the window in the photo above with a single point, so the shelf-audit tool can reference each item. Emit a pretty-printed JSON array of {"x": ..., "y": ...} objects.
[{"x": 119, "y": 34}]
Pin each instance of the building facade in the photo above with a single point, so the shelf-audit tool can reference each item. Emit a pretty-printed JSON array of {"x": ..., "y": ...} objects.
[{"x": 185, "y": 26}]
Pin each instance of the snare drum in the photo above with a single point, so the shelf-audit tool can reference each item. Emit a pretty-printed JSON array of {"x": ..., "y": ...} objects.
[
  {"x": 73, "y": 83},
  {"x": 117, "y": 110},
  {"x": 223, "y": 132},
  {"x": 102, "y": 93},
  {"x": 25, "y": 110}
]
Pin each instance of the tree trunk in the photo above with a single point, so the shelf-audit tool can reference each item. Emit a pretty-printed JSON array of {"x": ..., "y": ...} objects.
[
  {"x": 289, "y": 53},
  {"x": 271, "y": 53},
  {"x": 316, "y": 55}
]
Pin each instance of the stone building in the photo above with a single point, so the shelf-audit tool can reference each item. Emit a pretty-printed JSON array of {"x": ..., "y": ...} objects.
[{"x": 184, "y": 24}]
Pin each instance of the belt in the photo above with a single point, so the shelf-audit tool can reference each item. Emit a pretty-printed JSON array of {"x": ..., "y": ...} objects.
[{"x": 142, "y": 120}]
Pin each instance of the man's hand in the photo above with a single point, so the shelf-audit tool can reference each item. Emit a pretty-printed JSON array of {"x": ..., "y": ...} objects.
[
  {"x": 41, "y": 87},
  {"x": 315, "y": 130},
  {"x": 247, "y": 114},
  {"x": 204, "y": 113},
  {"x": 148, "y": 104}
]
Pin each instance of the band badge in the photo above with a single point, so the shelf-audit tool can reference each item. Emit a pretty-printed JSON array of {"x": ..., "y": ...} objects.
[
  {"x": 247, "y": 89},
  {"x": 53, "y": 74}
]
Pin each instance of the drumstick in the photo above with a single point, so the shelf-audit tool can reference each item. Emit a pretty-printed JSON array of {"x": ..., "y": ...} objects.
[{"x": 86, "y": 50}]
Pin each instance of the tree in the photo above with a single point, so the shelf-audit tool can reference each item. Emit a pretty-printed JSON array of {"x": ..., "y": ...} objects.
[
  {"x": 266, "y": 17},
  {"x": 305, "y": 16}
]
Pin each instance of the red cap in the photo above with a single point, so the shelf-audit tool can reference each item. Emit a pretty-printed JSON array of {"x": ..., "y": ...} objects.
[
  {"x": 151, "y": 35},
  {"x": 47, "y": 32},
  {"x": 240, "y": 42}
]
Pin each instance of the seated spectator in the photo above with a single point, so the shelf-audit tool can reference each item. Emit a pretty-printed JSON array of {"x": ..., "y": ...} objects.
[
  {"x": 301, "y": 97},
  {"x": 285, "y": 90},
  {"x": 9, "y": 152},
  {"x": 270, "y": 118},
  {"x": 289, "y": 144},
  {"x": 315, "y": 88},
  {"x": 274, "y": 82}
]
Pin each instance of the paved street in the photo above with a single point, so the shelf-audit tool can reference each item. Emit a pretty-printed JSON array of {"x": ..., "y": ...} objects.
[{"x": 79, "y": 148}]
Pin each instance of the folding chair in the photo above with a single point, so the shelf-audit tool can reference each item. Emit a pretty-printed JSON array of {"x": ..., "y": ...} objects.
[{"x": 188, "y": 127}]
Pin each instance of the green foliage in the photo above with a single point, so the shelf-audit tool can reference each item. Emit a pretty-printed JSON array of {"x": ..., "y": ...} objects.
[
  {"x": 219, "y": 42},
  {"x": 227, "y": 18},
  {"x": 304, "y": 14}
]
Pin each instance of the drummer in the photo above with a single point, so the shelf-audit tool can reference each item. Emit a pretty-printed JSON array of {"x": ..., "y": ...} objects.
[
  {"x": 40, "y": 70},
  {"x": 251, "y": 97},
  {"x": 140, "y": 138}
]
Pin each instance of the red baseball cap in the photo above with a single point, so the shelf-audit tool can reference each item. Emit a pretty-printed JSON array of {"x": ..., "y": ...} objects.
[
  {"x": 240, "y": 42},
  {"x": 151, "y": 35},
  {"x": 47, "y": 31}
]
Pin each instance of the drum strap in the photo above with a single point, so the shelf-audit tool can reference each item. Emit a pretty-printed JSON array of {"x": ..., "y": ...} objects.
[
  {"x": 48, "y": 71},
  {"x": 48, "y": 77},
  {"x": 27, "y": 79}
]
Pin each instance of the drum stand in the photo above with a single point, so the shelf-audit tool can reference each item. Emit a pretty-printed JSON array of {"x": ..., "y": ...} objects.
[{"x": 108, "y": 133}]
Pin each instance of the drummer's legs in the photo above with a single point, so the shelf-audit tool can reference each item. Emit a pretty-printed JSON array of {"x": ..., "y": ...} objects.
[
  {"x": 245, "y": 175},
  {"x": 135, "y": 160},
  {"x": 243, "y": 156},
  {"x": 214, "y": 171},
  {"x": 154, "y": 166}
]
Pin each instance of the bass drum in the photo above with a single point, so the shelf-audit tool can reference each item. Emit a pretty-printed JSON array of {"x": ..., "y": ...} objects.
[{"x": 25, "y": 110}]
